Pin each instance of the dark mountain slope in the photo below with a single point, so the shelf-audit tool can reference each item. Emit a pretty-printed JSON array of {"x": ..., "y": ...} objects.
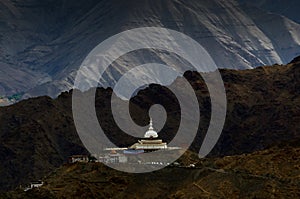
[
  {"x": 38, "y": 134},
  {"x": 272, "y": 173}
]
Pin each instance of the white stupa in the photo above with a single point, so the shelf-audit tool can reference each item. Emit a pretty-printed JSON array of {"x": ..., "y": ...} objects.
[
  {"x": 151, "y": 133},
  {"x": 151, "y": 142}
]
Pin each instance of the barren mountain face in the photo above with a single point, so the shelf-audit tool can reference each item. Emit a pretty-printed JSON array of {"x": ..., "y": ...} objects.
[
  {"x": 288, "y": 8},
  {"x": 43, "y": 43}
]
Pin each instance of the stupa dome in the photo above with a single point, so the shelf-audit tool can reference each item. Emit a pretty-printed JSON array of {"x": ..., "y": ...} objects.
[{"x": 151, "y": 133}]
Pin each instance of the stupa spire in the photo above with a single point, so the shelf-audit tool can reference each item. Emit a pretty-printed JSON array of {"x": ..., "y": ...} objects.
[{"x": 151, "y": 124}]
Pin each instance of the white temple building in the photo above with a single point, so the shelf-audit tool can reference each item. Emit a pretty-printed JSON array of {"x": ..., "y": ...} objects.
[{"x": 150, "y": 142}]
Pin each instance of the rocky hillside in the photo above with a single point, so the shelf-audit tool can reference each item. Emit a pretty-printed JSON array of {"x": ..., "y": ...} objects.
[
  {"x": 272, "y": 173},
  {"x": 42, "y": 43},
  {"x": 37, "y": 135}
]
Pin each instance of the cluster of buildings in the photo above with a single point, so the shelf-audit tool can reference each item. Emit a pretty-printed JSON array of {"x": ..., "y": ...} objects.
[{"x": 150, "y": 142}]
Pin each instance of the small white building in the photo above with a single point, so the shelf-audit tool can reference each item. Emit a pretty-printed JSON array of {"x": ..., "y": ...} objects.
[
  {"x": 113, "y": 158},
  {"x": 78, "y": 158},
  {"x": 35, "y": 184}
]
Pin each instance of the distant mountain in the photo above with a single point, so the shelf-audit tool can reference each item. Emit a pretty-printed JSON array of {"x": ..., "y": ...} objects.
[
  {"x": 37, "y": 135},
  {"x": 42, "y": 43},
  {"x": 287, "y": 8}
]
